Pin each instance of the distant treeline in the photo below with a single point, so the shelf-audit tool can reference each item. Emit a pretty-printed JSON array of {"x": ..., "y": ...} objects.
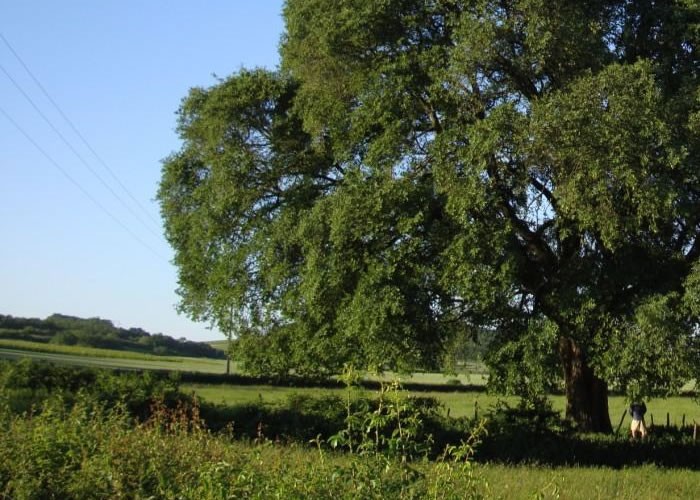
[{"x": 96, "y": 332}]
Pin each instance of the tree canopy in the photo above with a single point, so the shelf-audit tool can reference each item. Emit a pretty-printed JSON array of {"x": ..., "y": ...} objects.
[{"x": 417, "y": 170}]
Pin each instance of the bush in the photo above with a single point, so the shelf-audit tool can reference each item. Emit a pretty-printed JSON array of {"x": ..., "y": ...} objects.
[
  {"x": 92, "y": 451},
  {"x": 26, "y": 384}
]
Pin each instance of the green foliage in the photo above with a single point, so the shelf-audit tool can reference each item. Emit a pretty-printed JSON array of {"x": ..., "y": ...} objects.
[
  {"x": 416, "y": 171},
  {"x": 26, "y": 385},
  {"x": 617, "y": 180},
  {"x": 466, "y": 349},
  {"x": 309, "y": 292},
  {"x": 537, "y": 435},
  {"x": 90, "y": 452},
  {"x": 394, "y": 424},
  {"x": 87, "y": 439},
  {"x": 651, "y": 355},
  {"x": 93, "y": 447},
  {"x": 525, "y": 364}
]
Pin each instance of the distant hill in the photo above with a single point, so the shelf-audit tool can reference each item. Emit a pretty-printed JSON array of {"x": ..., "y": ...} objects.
[
  {"x": 219, "y": 345},
  {"x": 96, "y": 332}
]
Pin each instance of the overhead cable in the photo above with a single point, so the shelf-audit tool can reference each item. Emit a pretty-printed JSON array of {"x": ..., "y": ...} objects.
[{"x": 79, "y": 186}]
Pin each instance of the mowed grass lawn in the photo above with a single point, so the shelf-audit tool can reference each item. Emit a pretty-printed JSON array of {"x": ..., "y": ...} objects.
[{"x": 458, "y": 404}]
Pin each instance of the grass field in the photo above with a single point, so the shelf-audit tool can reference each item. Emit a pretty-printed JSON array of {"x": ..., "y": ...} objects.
[
  {"x": 222, "y": 345},
  {"x": 110, "y": 358},
  {"x": 588, "y": 483},
  {"x": 478, "y": 377},
  {"x": 459, "y": 403},
  {"x": 26, "y": 345},
  {"x": 282, "y": 466},
  {"x": 107, "y": 358}
]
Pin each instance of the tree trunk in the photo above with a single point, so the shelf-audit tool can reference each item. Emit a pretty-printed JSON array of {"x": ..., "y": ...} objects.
[{"x": 586, "y": 394}]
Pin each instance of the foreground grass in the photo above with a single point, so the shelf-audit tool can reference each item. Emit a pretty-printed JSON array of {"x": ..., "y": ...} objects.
[
  {"x": 645, "y": 482},
  {"x": 88, "y": 451},
  {"x": 98, "y": 434}
]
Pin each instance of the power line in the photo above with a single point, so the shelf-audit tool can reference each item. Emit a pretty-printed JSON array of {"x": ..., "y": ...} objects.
[
  {"x": 75, "y": 152},
  {"x": 79, "y": 186},
  {"x": 77, "y": 132}
]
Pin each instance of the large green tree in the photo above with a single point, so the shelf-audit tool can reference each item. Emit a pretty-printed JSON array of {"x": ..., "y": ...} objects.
[{"x": 418, "y": 169}]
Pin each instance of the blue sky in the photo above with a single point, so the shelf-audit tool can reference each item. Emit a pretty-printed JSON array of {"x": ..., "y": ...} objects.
[{"x": 117, "y": 70}]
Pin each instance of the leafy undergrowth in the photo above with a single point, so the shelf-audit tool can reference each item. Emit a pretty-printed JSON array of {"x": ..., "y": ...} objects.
[
  {"x": 90, "y": 451},
  {"x": 87, "y": 450},
  {"x": 25, "y": 385},
  {"x": 84, "y": 433}
]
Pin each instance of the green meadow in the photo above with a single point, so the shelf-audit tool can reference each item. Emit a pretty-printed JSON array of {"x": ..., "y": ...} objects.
[
  {"x": 184, "y": 460},
  {"x": 458, "y": 402},
  {"x": 107, "y": 358},
  {"x": 90, "y": 452}
]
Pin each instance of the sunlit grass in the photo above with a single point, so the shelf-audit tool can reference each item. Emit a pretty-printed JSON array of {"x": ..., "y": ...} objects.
[
  {"x": 26, "y": 345},
  {"x": 172, "y": 456},
  {"x": 458, "y": 404},
  {"x": 107, "y": 358},
  {"x": 476, "y": 378},
  {"x": 648, "y": 482},
  {"x": 222, "y": 345}
]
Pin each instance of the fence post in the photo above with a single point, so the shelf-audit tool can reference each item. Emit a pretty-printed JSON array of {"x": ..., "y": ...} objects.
[
  {"x": 622, "y": 419},
  {"x": 668, "y": 420}
]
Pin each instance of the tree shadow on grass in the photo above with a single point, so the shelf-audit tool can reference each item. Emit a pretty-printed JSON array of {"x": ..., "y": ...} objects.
[
  {"x": 538, "y": 437},
  {"x": 515, "y": 436}
]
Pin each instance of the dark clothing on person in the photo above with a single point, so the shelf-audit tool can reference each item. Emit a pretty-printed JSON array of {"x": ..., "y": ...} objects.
[{"x": 637, "y": 410}]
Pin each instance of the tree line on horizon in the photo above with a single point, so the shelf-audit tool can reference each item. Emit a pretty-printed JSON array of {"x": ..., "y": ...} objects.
[{"x": 62, "y": 329}]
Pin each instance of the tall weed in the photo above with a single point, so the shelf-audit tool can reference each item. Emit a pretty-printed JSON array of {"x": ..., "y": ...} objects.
[{"x": 90, "y": 451}]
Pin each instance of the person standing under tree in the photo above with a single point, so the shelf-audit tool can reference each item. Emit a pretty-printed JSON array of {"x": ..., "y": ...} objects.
[{"x": 637, "y": 411}]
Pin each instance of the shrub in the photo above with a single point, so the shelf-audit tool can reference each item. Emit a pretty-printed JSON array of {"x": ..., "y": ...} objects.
[
  {"x": 26, "y": 384},
  {"x": 92, "y": 451}
]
